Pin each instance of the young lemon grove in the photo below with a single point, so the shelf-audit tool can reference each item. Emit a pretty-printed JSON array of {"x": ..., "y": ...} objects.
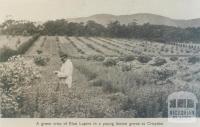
[{"x": 113, "y": 77}]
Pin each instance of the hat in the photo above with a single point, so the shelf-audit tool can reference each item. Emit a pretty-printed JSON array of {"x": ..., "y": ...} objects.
[{"x": 64, "y": 57}]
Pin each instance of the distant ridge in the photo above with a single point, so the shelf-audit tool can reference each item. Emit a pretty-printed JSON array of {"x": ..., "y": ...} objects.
[{"x": 139, "y": 18}]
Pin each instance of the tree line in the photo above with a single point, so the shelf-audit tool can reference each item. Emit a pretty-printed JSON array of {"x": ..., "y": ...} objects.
[{"x": 160, "y": 33}]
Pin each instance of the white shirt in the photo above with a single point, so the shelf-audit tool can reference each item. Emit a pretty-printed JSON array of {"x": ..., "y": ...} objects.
[{"x": 66, "y": 69}]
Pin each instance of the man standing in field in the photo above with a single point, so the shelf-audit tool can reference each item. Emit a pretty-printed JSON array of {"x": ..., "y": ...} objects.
[{"x": 66, "y": 71}]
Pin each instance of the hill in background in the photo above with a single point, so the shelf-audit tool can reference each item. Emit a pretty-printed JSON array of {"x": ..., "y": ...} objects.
[{"x": 139, "y": 18}]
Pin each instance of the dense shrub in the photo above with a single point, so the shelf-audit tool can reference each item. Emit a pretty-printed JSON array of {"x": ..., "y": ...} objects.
[
  {"x": 109, "y": 62},
  {"x": 159, "y": 62},
  {"x": 39, "y": 51},
  {"x": 88, "y": 73},
  {"x": 193, "y": 59},
  {"x": 96, "y": 58},
  {"x": 113, "y": 29},
  {"x": 174, "y": 58},
  {"x": 131, "y": 113},
  {"x": 41, "y": 60},
  {"x": 98, "y": 82},
  {"x": 163, "y": 74},
  {"x": 126, "y": 67},
  {"x": 166, "y": 50},
  {"x": 187, "y": 51},
  {"x": 122, "y": 105},
  {"x": 5, "y": 53},
  {"x": 99, "y": 58},
  {"x": 128, "y": 58},
  {"x": 187, "y": 77},
  {"x": 148, "y": 104},
  {"x": 108, "y": 87},
  {"x": 144, "y": 59},
  {"x": 16, "y": 76}
]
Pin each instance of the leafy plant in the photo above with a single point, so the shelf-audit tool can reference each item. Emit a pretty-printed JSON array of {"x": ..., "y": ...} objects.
[
  {"x": 174, "y": 58},
  {"x": 193, "y": 59},
  {"x": 159, "y": 62},
  {"x": 88, "y": 73},
  {"x": 109, "y": 62},
  {"x": 108, "y": 87},
  {"x": 41, "y": 60},
  {"x": 16, "y": 76},
  {"x": 5, "y": 53},
  {"x": 128, "y": 58},
  {"x": 39, "y": 51},
  {"x": 96, "y": 58},
  {"x": 144, "y": 59},
  {"x": 126, "y": 67}
]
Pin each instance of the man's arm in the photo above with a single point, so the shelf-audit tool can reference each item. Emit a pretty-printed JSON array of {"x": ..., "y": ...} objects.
[{"x": 60, "y": 74}]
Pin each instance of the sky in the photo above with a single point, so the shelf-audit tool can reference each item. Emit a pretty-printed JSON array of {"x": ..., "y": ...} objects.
[{"x": 42, "y": 10}]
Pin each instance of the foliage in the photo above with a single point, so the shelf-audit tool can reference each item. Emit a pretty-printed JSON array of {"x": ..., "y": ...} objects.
[
  {"x": 128, "y": 58},
  {"x": 39, "y": 51},
  {"x": 99, "y": 82},
  {"x": 126, "y": 67},
  {"x": 108, "y": 87},
  {"x": 122, "y": 105},
  {"x": 41, "y": 60},
  {"x": 96, "y": 58},
  {"x": 160, "y": 33},
  {"x": 88, "y": 73},
  {"x": 174, "y": 58},
  {"x": 145, "y": 97},
  {"x": 193, "y": 59},
  {"x": 16, "y": 76},
  {"x": 144, "y": 59},
  {"x": 159, "y": 61},
  {"x": 162, "y": 74},
  {"x": 109, "y": 62},
  {"x": 94, "y": 29},
  {"x": 25, "y": 28},
  {"x": 6, "y": 52}
]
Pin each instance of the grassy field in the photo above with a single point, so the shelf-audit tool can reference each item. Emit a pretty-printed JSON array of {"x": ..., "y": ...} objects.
[
  {"x": 12, "y": 42},
  {"x": 112, "y": 77}
]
